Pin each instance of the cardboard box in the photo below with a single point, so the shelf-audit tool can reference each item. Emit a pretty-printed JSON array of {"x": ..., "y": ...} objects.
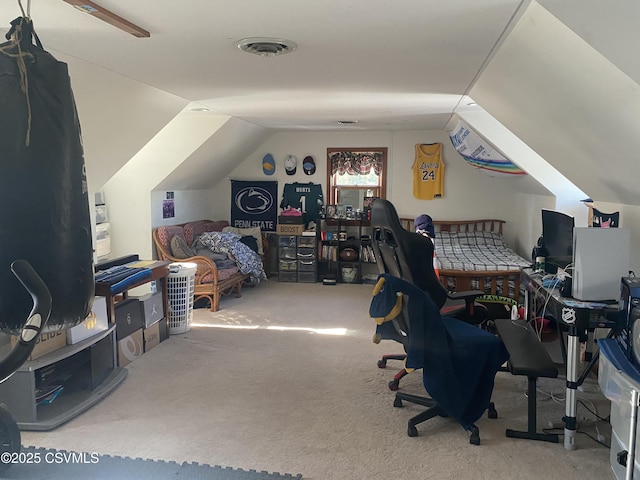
[
  {"x": 289, "y": 229},
  {"x": 128, "y": 317},
  {"x": 46, "y": 343},
  {"x": 130, "y": 348},
  {"x": 95, "y": 323},
  {"x": 164, "y": 330},
  {"x": 151, "y": 308},
  {"x": 290, "y": 219},
  {"x": 151, "y": 336}
]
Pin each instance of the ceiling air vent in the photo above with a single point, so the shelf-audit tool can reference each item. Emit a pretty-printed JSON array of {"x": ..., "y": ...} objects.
[{"x": 266, "y": 47}]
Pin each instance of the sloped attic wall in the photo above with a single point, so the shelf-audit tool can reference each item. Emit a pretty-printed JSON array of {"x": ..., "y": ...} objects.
[
  {"x": 569, "y": 103},
  {"x": 118, "y": 116},
  {"x": 189, "y": 157},
  {"x": 129, "y": 191},
  {"x": 572, "y": 105}
]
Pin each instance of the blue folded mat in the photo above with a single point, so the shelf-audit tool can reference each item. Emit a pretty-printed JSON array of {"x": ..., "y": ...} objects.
[{"x": 121, "y": 277}]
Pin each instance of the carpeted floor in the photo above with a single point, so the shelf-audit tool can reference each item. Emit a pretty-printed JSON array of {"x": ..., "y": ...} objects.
[
  {"x": 284, "y": 379},
  {"x": 46, "y": 464}
]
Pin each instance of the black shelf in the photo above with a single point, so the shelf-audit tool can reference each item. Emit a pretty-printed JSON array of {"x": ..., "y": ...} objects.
[{"x": 329, "y": 261}]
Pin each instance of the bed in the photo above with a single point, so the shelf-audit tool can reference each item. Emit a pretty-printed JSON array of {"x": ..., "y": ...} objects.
[{"x": 472, "y": 255}]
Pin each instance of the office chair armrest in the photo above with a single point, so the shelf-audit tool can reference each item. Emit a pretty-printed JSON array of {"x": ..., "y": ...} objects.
[
  {"x": 466, "y": 295},
  {"x": 469, "y": 297}
]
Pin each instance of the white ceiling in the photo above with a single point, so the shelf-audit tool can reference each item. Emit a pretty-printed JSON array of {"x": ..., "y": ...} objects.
[
  {"x": 562, "y": 75},
  {"x": 390, "y": 65}
]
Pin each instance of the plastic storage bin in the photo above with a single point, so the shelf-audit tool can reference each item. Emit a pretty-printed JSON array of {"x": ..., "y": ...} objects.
[
  {"x": 617, "y": 377},
  {"x": 350, "y": 274},
  {"x": 180, "y": 290}
]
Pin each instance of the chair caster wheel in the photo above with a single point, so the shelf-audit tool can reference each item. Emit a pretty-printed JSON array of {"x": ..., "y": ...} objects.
[
  {"x": 412, "y": 431},
  {"x": 491, "y": 411},
  {"x": 382, "y": 363},
  {"x": 394, "y": 385},
  {"x": 474, "y": 439},
  {"x": 397, "y": 403}
]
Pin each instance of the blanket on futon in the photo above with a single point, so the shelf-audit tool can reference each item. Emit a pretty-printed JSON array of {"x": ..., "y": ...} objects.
[{"x": 229, "y": 243}]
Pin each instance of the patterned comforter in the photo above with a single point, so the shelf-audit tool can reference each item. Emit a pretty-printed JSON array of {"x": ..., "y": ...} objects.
[
  {"x": 248, "y": 261},
  {"x": 476, "y": 251}
]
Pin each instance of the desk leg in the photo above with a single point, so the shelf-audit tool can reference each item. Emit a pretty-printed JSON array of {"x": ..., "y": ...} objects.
[
  {"x": 573, "y": 358},
  {"x": 589, "y": 346},
  {"x": 111, "y": 309}
]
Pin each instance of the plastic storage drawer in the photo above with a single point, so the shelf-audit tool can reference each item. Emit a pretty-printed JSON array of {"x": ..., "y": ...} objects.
[
  {"x": 307, "y": 277},
  {"x": 288, "y": 276},
  {"x": 617, "y": 377},
  {"x": 305, "y": 241},
  {"x": 305, "y": 253},
  {"x": 288, "y": 265},
  {"x": 618, "y": 445},
  {"x": 287, "y": 241},
  {"x": 306, "y": 265},
  {"x": 287, "y": 253}
]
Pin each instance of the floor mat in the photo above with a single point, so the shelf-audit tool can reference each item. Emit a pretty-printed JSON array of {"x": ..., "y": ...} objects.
[{"x": 40, "y": 464}]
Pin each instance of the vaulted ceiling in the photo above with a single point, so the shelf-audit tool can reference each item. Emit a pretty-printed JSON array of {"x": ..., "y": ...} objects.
[{"x": 560, "y": 74}]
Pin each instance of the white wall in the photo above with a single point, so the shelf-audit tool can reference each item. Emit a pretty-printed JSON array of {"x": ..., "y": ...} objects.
[
  {"x": 299, "y": 144},
  {"x": 128, "y": 192},
  {"x": 528, "y": 221},
  {"x": 469, "y": 193},
  {"x": 118, "y": 116},
  {"x": 189, "y": 205}
]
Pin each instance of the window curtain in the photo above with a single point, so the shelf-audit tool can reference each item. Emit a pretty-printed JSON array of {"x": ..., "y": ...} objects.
[{"x": 352, "y": 163}]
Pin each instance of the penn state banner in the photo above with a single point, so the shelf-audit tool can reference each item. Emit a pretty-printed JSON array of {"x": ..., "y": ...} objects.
[
  {"x": 478, "y": 153},
  {"x": 254, "y": 204}
]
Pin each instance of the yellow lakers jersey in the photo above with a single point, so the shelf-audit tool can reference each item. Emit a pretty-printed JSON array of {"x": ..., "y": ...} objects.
[{"x": 428, "y": 172}]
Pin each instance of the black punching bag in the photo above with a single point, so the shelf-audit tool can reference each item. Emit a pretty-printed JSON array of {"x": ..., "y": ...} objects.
[{"x": 44, "y": 207}]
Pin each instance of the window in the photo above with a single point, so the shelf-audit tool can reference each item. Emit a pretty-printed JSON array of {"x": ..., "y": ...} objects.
[{"x": 356, "y": 173}]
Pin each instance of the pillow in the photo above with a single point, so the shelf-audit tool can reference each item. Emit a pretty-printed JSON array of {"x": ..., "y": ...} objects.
[
  {"x": 180, "y": 249},
  {"x": 244, "y": 232},
  {"x": 250, "y": 242}
]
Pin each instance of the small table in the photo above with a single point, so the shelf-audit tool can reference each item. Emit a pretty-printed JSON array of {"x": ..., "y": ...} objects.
[
  {"x": 580, "y": 318},
  {"x": 159, "y": 271}
]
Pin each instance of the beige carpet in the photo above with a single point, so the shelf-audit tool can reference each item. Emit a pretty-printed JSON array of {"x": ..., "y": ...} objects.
[{"x": 293, "y": 387}]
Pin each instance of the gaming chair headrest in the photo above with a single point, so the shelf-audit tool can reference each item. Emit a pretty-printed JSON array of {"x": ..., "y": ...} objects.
[{"x": 384, "y": 214}]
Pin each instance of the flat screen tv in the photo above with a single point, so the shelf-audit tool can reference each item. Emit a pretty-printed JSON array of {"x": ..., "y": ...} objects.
[{"x": 557, "y": 237}]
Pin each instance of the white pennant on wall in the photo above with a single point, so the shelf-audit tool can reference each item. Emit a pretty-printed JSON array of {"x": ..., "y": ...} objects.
[{"x": 480, "y": 154}]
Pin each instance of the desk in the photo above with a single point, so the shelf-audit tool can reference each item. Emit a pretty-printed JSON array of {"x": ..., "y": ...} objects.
[
  {"x": 580, "y": 318},
  {"x": 159, "y": 271}
]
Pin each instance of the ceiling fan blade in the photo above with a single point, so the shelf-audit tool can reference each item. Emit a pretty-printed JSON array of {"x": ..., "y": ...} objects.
[{"x": 107, "y": 16}]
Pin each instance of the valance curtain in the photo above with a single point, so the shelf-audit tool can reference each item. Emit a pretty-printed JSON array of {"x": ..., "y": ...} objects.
[{"x": 353, "y": 163}]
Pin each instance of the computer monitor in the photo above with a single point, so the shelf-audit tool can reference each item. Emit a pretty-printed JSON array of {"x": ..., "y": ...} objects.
[{"x": 557, "y": 236}]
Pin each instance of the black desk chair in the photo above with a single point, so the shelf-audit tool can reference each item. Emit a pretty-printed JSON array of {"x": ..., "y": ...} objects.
[
  {"x": 458, "y": 360},
  {"x": 409, "y": 256}
]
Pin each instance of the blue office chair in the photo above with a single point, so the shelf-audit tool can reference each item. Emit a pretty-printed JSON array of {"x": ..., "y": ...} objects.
[
  {"x": 459, "y": 361},
  {"x": 409, "y": 256}
]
